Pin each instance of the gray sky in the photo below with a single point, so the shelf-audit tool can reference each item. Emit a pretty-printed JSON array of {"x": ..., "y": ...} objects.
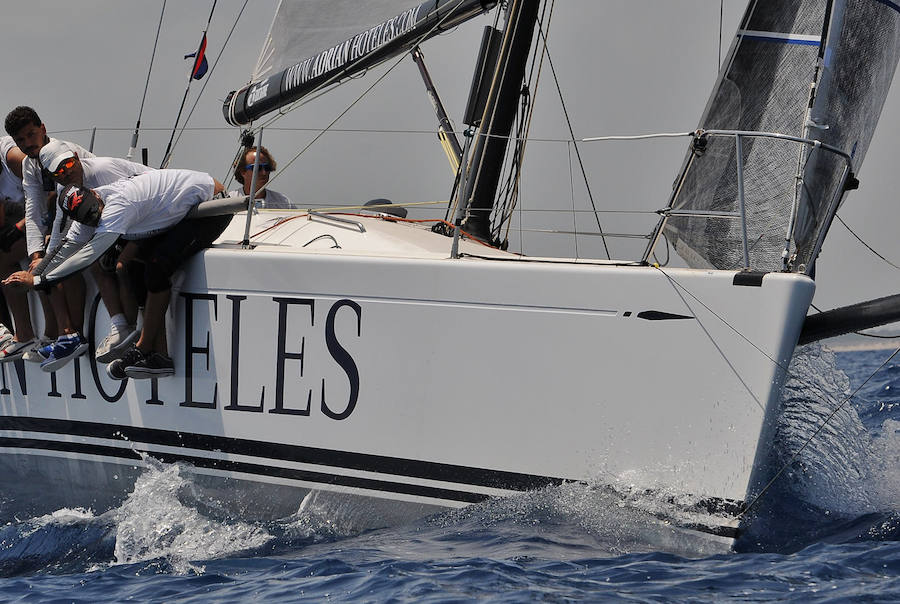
[{"x": 625, "y": 67}]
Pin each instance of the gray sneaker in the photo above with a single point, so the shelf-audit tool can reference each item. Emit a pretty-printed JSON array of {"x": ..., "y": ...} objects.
[
  {"x": 13, "y": 351},
  {"x": 6, "y": 335},
  {"x": 115, "y": 344},
  {"x": 34, "y": 354}
]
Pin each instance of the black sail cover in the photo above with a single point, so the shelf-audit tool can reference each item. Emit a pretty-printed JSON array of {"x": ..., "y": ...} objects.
[
  {"x": 764, "y": 85},
  {"x": 347, "y": 37}
]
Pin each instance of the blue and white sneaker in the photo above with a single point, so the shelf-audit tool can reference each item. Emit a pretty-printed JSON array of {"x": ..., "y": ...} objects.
[{"x": 66, "y": 348}]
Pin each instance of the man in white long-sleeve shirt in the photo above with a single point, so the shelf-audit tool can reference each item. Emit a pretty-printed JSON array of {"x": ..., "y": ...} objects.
[
  {"x": 150, "y": 209},
  {"x": 67, "y": 168},
  {"x": 30, "y": 135}
]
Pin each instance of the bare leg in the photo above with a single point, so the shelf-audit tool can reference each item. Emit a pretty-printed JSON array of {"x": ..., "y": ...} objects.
[
  {"x": 61, "y": 310},
  {"x": 51, "y": 329},
  {"x": 74, "y": 290},
  {"x": 16, "y": 298},
  {"x": 126, "y": 295},
  {"x": 153, "y": 334},
  {"x": 109, "y": 289},
  {"x": 128, "y": 300}
]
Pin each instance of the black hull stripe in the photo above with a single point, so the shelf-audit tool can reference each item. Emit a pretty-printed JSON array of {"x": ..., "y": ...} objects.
[
  {"x": 288, "y": 473},
  {"x": 379, "y": 464},
  {"x": 247, "y": 468}
]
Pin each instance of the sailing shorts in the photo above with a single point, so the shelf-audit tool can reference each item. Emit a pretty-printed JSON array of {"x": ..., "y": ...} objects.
[
  {"x": 9, "y": 234},
  {"x": 162, "y": 254}
]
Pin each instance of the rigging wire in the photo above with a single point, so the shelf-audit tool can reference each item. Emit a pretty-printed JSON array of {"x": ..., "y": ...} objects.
[
  {"x": 167, "y": 154},
  {"x": 777, "y": 363},
  {"x": 868, "y": 247},
  {"x": 577, "y": 150},
  {"x": 137, "y": 125},
  {"x": 209, "y": 75}
]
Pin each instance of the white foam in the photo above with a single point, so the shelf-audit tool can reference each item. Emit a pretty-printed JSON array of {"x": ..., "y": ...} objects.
[
  {"x": 154, "y": 523},
  {"x": 837, "y": 464}
]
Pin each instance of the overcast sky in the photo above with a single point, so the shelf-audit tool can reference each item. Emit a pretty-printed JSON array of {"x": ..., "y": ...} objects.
[{"x": 625, "y": 67}]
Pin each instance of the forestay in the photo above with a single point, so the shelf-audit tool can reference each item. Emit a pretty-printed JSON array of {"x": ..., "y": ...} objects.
[{"x": 850, "y": 51}]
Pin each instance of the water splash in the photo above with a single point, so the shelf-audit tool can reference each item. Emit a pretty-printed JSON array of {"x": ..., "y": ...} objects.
[
  {"x": 68, "y": 540},
  {"x": 154, "y": 522},
  {"x": 840, "y": 479},
  {"x": 822, "y": 437},
  {"x": 578, "y": 519}
]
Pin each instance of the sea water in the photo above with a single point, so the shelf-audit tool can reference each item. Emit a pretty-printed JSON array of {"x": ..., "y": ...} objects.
[{"x": 828, "y": 529}]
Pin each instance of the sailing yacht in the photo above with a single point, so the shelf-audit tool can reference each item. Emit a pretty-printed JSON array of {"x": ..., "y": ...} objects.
[{"x": 333, "y": 351}]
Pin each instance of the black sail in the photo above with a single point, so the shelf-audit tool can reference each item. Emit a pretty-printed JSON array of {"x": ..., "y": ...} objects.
[{"x": 849, "y": 49}]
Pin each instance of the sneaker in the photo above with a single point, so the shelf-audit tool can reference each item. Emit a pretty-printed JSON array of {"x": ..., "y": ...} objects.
[
  {"x": 153, "y": 365},
  {"x": 13, "y": 351},
  {"x": 66, "y": 348},
  {"x": 35, "y": 354},
  {"x": 6, "y": 335},
  {"x": 115, "y": 344},
  {"x": 116, "y": 369}
]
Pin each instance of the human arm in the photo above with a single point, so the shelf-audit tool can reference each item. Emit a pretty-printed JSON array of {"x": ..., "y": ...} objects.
[
  {"x": 71, "y": 258},
  {"x": 14, "y": 159},
  {"x": 35, "y": 208},
  {"x": 74, "y": 257}
]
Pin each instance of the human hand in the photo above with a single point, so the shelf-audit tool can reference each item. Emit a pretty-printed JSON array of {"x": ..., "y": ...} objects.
[{"x": 20, "y": 279}]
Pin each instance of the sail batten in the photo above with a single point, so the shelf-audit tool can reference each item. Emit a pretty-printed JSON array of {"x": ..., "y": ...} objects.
[{"x": 335, "y": 39}]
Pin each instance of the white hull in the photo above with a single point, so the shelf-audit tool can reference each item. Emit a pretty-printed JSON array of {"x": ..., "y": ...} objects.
[{"x": 387, "y": 370}]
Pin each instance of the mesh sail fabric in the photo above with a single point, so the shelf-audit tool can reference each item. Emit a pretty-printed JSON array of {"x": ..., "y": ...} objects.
[
  {"x": 302, "y": 28},
  {"x": 764, "y": 86},
  {"x": 859, "y": 69}
]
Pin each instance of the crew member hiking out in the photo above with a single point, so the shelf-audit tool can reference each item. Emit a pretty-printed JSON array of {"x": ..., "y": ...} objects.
[{"x": 150, "y": 208}]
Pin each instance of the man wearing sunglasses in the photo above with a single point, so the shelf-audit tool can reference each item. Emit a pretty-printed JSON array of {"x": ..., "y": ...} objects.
[
  {"x": 151, "y": 209},
  {"x": 67, "y": 168},
  {"x": 30, "y": 134},
  {"x": 243, "y": 173}
]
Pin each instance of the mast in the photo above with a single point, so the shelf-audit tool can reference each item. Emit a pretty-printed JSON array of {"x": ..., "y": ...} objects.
[{"x": 499, "y": 115}]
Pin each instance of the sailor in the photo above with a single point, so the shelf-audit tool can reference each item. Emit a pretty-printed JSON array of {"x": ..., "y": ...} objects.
[
  {"x": 67, "y": 168},
  {"x": 150, "y": 208},
  {"x": 243, "y": 173},
  {"x": 12, "y": 220},
  {"x": 67, "y": 315}
]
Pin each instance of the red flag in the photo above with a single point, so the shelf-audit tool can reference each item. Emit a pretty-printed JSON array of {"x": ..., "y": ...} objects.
[{"x": 200, "y": 64}]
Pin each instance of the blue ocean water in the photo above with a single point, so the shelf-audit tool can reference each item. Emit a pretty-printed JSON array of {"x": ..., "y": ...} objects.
[{"x": 827, "y": 530}]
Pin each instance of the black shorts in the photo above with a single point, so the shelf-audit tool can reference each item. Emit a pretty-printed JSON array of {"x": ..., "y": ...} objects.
[
  {"x": 9, "y": 234},
  {"x": 162, "y": 254}
]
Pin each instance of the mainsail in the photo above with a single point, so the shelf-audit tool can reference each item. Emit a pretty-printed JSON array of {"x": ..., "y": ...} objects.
[
  {"x": 314, "y": 43},
  {"x": 804, "y": 68}
]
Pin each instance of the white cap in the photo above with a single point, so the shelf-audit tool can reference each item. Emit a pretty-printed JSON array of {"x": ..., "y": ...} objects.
[{"x": 53, "y": 153}]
